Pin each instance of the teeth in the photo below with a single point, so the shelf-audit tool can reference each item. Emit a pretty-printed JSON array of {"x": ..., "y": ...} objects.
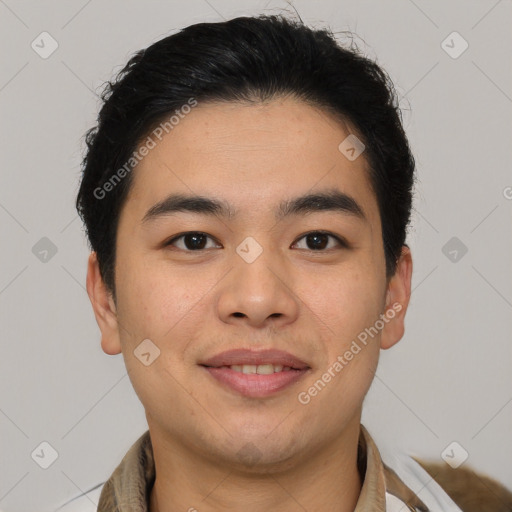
[
  {"x": 249, "y": 368},
  {"x": 261, "y": 369},
  {"x": 265, "y": 369}
]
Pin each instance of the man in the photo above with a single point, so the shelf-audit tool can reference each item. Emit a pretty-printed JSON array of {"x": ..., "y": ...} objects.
[{"x": 246, "y": 194}]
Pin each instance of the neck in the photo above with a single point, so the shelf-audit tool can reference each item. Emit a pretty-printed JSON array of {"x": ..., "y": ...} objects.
[{"x": 327, "y": 479}]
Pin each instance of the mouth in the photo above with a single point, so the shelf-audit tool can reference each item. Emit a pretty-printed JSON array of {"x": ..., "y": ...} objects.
[
  {"x": 259, "y": 369},
  {"x": 255, "y": 374}
]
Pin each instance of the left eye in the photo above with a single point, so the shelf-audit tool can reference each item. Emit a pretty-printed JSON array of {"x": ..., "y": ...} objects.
[
  {"x": 193, "y": 241},
  {"x": 319, "y": 240}
]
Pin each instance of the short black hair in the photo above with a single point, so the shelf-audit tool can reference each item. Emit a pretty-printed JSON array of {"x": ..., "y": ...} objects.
[{"x": 246, "y": 59}]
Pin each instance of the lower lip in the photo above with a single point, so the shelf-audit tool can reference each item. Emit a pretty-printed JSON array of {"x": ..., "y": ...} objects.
[{"x": 255, "y": 385}]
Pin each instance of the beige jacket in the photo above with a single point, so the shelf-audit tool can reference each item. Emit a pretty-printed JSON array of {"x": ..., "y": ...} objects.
[{"x": 417, "y": 488}]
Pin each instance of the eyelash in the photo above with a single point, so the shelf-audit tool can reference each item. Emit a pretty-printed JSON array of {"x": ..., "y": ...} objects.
[{"x": 341, "y": 242}]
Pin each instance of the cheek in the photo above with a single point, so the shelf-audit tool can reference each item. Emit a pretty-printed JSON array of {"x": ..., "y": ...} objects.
[
  {"x": 345, "y": 303},
  {"x": 154, "y": 296},
  {"x": 345, "y": 309},
  {"x": 156, "y": 304}
]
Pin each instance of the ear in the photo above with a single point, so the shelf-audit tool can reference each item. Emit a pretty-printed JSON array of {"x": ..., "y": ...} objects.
[
  {"x": 104, "y": 307},
  {"x": 397, "y": 300}
]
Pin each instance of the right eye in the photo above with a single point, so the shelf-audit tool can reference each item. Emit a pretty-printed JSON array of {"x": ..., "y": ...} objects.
[{"x": 191, "y": 241}]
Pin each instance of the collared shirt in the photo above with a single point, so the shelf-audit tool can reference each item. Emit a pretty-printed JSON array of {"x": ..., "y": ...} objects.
[{"x": 129, "y": 487}]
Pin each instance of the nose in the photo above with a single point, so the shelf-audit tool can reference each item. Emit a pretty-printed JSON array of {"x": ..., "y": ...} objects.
[{"x": 258, "y": 294}]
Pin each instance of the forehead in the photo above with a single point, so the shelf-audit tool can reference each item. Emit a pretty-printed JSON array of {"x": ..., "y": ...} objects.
[{"x": 251, "y": 155}]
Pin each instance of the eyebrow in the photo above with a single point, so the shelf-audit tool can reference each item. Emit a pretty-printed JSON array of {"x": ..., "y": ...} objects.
[{"x": 330, "y": 200}]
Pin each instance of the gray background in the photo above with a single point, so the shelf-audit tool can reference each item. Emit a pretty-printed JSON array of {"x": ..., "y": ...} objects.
[{"x": 448, "y": 380}]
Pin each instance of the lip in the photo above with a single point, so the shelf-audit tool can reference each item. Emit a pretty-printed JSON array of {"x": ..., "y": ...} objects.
[
  {"x": 245, "y": 356},
  {"x": 255, "y": 385}
]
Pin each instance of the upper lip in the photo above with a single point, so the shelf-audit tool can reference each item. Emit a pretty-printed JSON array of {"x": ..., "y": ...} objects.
[{"x": 245, "y": 356}]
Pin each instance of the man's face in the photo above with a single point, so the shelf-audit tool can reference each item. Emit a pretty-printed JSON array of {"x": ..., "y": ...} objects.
[{"x": 196, "y": 297}]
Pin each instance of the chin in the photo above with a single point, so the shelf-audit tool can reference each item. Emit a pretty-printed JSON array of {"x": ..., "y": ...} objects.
[
  {"x": 259, "y": 450},
  {"x": 253, "y": 460}
]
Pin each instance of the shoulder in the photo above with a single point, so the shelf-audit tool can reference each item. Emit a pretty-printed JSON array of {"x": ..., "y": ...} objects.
[
  {"x": 87, "y": 502},
  {"x": 403, "y": 467},
  {"x": 136, "y": 466},
  {"x": 471, "y": 490},
  {"x": 443, "y": 488}
]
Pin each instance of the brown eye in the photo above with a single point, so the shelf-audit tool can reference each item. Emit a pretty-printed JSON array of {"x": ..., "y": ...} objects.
[
  {"x": 192, "y": 241},
  {"x": 320, "y": 240}
]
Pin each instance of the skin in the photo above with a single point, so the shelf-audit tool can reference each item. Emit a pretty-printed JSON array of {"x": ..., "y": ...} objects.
[{"x": 195, "y": 304}]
